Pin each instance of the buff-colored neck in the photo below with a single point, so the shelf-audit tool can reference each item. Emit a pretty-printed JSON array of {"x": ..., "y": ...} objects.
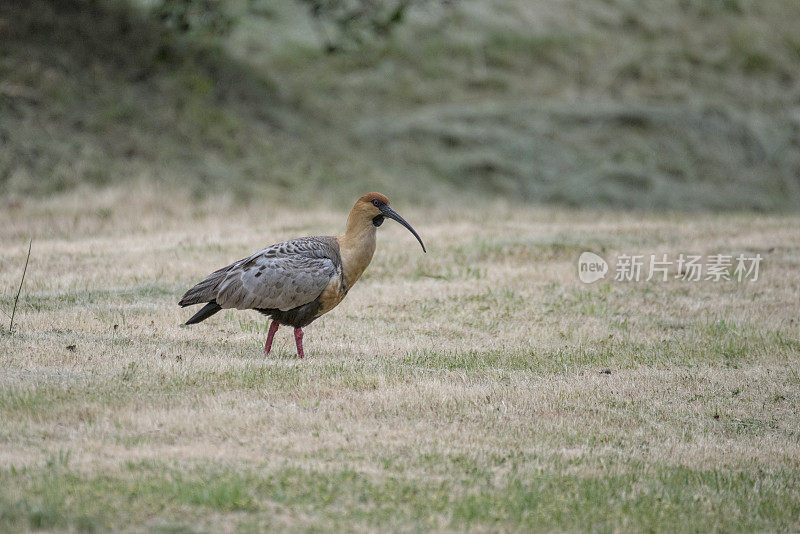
[{"x": 356, "y": 246}]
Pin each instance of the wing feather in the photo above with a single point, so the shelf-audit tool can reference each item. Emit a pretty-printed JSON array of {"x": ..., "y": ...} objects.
[{"x": 282, "y": 276}]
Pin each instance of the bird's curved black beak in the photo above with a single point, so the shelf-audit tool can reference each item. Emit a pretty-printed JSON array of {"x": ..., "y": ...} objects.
[{"x": 389, "y": 212}]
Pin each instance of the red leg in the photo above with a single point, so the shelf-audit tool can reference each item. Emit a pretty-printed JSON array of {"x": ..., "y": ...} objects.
[
  {"x": 298, "y": 338},
  {"x": 273, "y": 327}
]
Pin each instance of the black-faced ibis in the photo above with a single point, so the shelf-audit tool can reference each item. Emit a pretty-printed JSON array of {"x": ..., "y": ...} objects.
[{"x": 296, "y": 281}]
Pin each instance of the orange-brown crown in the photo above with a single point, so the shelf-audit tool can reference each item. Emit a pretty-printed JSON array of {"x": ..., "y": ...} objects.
[{"x": 369, "y": 197}]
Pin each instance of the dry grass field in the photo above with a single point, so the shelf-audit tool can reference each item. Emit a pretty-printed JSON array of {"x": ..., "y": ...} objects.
[{"x": 479, "y": 387}]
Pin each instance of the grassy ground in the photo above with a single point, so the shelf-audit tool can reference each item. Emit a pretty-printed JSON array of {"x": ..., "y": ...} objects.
[
  {"x": 655, "y": 104},
  {"x": 461, "y": 389}
]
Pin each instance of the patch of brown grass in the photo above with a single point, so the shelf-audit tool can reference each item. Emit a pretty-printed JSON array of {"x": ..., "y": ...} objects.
[{"x": 433, "y": 367}]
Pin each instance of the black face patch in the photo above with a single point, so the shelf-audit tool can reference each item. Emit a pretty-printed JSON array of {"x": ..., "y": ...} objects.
[{"x": 377, "y": 220}]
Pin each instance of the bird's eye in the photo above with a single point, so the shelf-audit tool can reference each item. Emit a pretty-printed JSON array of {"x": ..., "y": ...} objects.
[{"x": 376, "y": 203}]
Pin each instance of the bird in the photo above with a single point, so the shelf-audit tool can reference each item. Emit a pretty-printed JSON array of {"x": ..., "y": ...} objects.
[{"x": 297, "y": 281}]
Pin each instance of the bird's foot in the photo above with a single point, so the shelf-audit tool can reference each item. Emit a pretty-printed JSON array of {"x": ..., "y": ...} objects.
[
  {"x": 298, "y": 339},
  {"x": 273, "y": 327}
]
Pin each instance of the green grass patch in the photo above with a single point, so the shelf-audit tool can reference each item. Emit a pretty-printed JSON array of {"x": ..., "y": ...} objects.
[{"x": 635, "y": 496}]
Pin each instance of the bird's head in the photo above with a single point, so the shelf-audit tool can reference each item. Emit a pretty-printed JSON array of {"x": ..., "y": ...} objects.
[{"x": 374, "y": 207}]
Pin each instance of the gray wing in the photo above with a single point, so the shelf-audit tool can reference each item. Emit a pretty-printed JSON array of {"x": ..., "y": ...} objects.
[{"x": 282, "y": 276}]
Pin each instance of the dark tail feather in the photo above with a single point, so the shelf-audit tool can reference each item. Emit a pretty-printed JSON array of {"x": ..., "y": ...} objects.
[{"x": 207, "y": 311}]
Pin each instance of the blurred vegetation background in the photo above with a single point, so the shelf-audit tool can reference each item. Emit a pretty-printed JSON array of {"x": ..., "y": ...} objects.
[{"x": 653, "y": 104}]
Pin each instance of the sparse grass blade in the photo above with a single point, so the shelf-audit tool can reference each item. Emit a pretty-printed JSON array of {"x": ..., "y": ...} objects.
[{"x": 19, "y": 290}]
